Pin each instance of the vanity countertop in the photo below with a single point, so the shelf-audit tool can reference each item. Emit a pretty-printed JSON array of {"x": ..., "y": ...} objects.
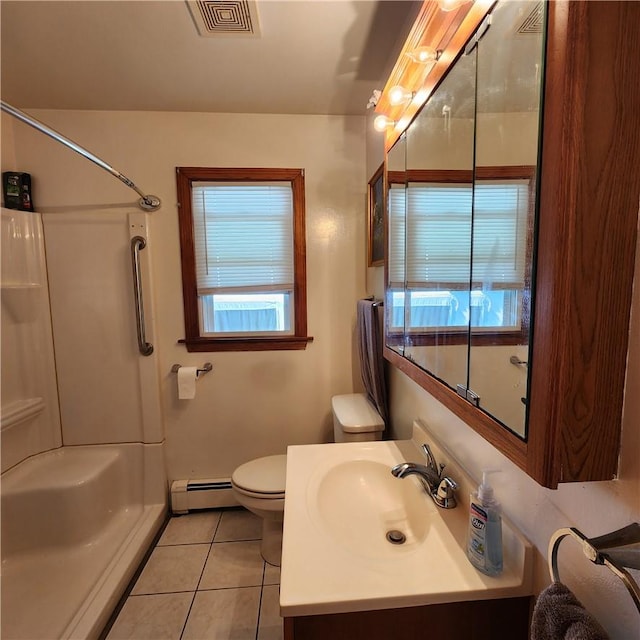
[{"x": 336, "y": 559}]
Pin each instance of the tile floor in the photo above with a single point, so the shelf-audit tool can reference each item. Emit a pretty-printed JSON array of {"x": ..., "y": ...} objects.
[{"x": 205, "y": 579}]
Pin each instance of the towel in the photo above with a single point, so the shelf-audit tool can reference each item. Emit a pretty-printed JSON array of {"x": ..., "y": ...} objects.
[
  {"x": 559, "y": 615},
  {"x": 371, "y": 359}
]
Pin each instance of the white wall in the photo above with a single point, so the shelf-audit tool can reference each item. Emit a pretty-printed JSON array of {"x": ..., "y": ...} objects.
[
  {"x": 374, "y": 158},
  {"x": 253, "y": 403},
  {"x": 7, "y": 144}
]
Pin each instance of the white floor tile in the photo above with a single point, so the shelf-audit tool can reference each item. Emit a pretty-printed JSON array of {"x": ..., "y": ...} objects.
[
  {"x": 270, "y": 627},
  {"x": 192, "y": 528},
  {"x": 271, "y": 574},
  {"x": 238, "y": 525},
  {"x": 224, "y": 614},
  {"x": 233, "y": 564},
  {"x": 153, "y": 617},
  {"x": 235, "y": 587},
  {"x": 171, "y": 569}
]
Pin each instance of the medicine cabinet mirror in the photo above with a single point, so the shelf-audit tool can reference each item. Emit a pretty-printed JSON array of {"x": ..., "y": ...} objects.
[
  {"x": 461, "y": 222},
  {"x": 489, "y": 219}
]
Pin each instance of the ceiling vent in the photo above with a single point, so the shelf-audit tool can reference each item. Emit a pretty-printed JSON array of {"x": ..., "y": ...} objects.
[
  {"x": 534, "y": 22},
  {"x": 225, "y": 17}
]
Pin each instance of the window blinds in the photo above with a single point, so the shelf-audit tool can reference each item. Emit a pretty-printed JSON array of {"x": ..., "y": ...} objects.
[
  {"x": 438, "y": 235},
  {"x": 500, "y": 215},
  {"x": 438, "y": 224},
  {"x": 396, "y": 222},
  {"x": 243, "y": 236}
]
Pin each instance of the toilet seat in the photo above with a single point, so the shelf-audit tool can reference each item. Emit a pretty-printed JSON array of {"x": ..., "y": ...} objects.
[{"x": 262, "y": 478}]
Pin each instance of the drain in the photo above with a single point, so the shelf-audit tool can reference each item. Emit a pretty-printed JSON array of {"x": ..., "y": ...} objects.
[{"x": 396, "y": 537}]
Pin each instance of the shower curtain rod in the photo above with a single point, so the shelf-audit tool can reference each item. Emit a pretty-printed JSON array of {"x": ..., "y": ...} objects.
[{"x": 146, "y": 202}]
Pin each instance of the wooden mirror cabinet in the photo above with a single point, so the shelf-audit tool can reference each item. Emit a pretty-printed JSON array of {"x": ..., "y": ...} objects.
[{"x": 588, "y": 195}]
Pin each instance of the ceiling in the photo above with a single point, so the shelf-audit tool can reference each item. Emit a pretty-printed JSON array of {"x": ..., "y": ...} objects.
[{"x": 311, "y": 56}]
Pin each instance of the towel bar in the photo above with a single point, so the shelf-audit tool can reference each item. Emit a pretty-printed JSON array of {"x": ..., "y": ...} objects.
[{"x": 612, "y": 550}]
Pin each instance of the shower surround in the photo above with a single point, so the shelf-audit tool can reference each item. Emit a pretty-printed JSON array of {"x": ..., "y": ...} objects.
[{"x": 83, "y": 482}]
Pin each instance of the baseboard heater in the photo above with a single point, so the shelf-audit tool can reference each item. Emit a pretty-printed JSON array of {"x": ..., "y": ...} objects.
[{"x": 188, "y": 495}]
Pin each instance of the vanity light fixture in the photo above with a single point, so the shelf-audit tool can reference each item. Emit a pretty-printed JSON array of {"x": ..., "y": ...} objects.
[
  {"x": 424, "y": 54},
  {"x": 451, "y": 5},
  {"x": 399, "y": 95},
  {"x": 382, "y": 122}
]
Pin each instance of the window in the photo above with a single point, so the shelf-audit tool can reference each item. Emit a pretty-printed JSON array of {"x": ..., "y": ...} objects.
[
  {"x": 243, "y": 258},
  {"x": 438, "y": 226}
]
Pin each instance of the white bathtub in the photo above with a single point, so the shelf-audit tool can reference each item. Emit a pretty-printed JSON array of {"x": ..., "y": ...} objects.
[{"x": 76, "y": 523}]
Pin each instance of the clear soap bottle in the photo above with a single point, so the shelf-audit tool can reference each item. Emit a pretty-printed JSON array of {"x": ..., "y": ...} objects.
[{"x": 484, "y": 541}]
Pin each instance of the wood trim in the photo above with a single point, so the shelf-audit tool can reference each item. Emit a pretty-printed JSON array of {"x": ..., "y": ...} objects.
[
  {"x": 454, "y": 176},
  {"x": 300, "y": 253},
  {"x": 497, "y": 172},
  {"x": 281, "y": 343},
  {"x": 187, "y": 252},
  {"x": 185, "y": 176},
  {"x": 378, "y": 175},
  {"x": 488, "y": 339},
  {"x": 487, "y": 426},
  {"x": 288, "y": 628},
  {"x": 584, "y": 279},
  {"x": 472, "y": 620}
]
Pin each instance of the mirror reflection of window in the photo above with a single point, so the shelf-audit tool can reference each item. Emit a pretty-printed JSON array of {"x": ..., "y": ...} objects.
[
  {"x": 462, "y": 223},
  {"x": 438, "y": 247}
]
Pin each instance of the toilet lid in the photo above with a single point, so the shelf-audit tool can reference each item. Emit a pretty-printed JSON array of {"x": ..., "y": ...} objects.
[{"x": 262, "y": 475}]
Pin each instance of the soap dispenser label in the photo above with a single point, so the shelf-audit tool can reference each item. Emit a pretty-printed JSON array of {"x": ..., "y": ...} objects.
[
  {"x": 477, "y": 531},
  {"x": 478, "y": 517}
]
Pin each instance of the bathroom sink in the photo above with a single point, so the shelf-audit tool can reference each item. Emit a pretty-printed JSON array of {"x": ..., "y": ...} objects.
[
  {"x": 341, "y": 502},
  {"x": 368, "y": 511}
]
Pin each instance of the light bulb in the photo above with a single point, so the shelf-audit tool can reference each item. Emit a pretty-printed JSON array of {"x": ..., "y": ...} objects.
[
  {"x": 398, "y": 95},
  {"x": 423, "y": 54},
  {"x": 451, "y": 5},
  {"x": 382, "y": 122}
]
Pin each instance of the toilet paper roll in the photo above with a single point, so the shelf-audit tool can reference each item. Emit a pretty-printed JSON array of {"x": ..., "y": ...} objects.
[{"x": 187, "y": 382}]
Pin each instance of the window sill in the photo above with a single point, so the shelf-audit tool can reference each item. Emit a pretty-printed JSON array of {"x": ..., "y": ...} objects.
[{"x": 282, "y": 343}]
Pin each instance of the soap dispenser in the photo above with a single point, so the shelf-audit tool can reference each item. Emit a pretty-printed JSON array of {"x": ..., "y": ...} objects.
[{"x": 484, "y": 543}]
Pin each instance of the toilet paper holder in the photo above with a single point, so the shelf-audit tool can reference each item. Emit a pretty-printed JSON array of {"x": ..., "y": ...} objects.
[{"x": 206, "y": 367}]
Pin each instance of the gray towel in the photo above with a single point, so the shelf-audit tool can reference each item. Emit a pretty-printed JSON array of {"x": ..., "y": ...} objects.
[
  {"x": 559, "y": 615},
  {"x": 371, "y": 359}
]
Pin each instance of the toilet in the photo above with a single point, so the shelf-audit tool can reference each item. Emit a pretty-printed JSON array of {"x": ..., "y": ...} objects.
[{"x": 259, "y": 485}]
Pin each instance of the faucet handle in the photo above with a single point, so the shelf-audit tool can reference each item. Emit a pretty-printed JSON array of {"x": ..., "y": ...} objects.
[
  {"x": 445, "y": 494},
  {"x": 431, "y": 460}
]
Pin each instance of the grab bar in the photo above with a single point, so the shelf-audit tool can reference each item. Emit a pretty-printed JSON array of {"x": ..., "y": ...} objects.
[
  {"x": 137, "y": 244},
  {"x": 146, "y": 202}
]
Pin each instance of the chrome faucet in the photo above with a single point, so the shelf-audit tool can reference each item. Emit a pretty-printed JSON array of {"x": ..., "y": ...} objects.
[{"x": 441, "y": 489}]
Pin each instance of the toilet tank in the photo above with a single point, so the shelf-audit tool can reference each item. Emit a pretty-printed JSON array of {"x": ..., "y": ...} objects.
[{"x": 355, "y": 419}]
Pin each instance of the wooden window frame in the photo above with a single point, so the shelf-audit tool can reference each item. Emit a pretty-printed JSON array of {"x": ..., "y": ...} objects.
[{"x": 194, "y": 341}]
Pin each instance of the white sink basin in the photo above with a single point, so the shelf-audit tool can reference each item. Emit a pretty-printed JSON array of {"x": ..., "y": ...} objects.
[
  {"x": 341, "y": 500},
  {"x": 371, "y": 504}
]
